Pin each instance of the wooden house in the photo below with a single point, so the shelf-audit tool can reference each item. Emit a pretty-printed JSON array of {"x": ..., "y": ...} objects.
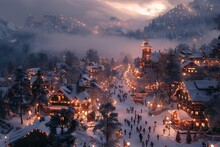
[
  {"x": 70, "y": 95},
  {"x": 192, "y": 96},
  {"x": 188, "y": 67},
  {"x": 34, "y": 135}
]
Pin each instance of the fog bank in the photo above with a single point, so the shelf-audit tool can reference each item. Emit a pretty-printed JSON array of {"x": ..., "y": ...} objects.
[{"x": 107, "y": 46}]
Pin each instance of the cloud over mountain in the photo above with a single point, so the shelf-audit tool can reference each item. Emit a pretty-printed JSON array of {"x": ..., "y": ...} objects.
[{"x": 85, "y": 10}]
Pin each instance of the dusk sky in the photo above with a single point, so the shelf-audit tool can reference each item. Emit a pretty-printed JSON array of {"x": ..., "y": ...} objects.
[{"x": 86, "y": 10}]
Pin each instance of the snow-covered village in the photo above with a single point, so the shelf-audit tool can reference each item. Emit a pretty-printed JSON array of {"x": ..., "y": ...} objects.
[{"x": 111, "y": 73}]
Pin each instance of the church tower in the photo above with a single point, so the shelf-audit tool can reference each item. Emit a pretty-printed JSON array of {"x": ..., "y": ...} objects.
[{"x": 146, "y": 54}]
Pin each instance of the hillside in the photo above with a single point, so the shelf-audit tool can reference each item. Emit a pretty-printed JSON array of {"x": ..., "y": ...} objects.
[
  {"x": 184, "y": 21},
  {"x": 57, "y": 23},
  {"x": 7, "y": 29}
]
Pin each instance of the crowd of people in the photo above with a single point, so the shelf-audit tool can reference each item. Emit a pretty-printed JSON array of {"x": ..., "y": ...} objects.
[{"x": 134, "y": 121}]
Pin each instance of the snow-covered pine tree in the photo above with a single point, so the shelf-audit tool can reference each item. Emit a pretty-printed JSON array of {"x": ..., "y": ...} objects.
[
  {"x": 109, "y": 125},
  {"x": 20, "y": 95},
  {"x": 39, "y": 94}
]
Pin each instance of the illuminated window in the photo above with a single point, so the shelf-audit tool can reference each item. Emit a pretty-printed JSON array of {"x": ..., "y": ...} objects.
[
  {"x": 197, "y": 124},
  {"x": 196, "y": 112},
  {"x": 59, "y": 98},
  {"x": 191, "y": 112}
]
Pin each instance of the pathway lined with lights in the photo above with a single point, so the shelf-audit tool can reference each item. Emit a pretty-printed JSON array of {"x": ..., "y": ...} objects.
[{"x": 166, "y": 138}]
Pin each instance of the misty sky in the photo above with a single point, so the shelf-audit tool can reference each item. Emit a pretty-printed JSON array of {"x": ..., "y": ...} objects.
[{"x": 89, "y": 11}]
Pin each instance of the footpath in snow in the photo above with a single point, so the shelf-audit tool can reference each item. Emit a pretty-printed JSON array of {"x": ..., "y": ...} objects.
[{"x": 156, "y": 134}]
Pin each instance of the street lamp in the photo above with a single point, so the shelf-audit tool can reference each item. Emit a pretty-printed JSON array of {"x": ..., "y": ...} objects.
[
  {"x": 169, "y": 123},
  {"x": 128, "y": 144},
  {"x": 29, "y": 112},
  {"x": 6, "y": 140}
]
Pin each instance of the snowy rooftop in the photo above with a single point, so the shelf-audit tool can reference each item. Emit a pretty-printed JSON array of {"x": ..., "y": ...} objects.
[
  {"x": 181, "y": 114},
  {"x": 145, "y": 44},
  {"x": 34, "y": 70},
  {"x": 186, "y": 51},
  {"x": 2, "y": 79},
  {"x": 57, "y": 107},
  {"x": 86, "y": 77},
  {"x": 71, "y": 92},
  {"x": 155, "y": 57},
  {"x": 196, "y": 94},
  {"x": 61, "y": 64},
  {"x": 33, "y": 78},
  {"x": 97, "y": 85},
  {"x": 185, "y": 63},
  {"x": 37, "y": 125},
  {"x": 195, "y": 55},
  {"x": 205, "y": 84},
  {"x": 3, "y": 91}
]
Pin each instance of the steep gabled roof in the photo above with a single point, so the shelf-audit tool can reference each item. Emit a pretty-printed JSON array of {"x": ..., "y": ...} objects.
[
  {"x": 71, "y": 92},
  {"x": 205, "y": 84},
  {"x": 24, "y": 131},
  {"x": 185, "y": 63},
  {"x": 4, "y": 91},
  {"x": 197, "y": 95}
]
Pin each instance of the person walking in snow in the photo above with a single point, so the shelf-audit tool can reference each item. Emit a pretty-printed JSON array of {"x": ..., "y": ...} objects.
[
  {"x": 154, "y": 129},
  {"x": 148, "y": 136},
  {"x": 84, "y": 145},
  {"x": 128, "y": 122},
  {"x": 131, "y": 118},
  {"x": 142, "y": 143},
  {"x": 125, "y": 132},
  {"x": 137, "y": 129},
  {"x": 149, "y": 128},
  {"x": 146, "y": 142},
  {"x": 155, "y": 123},
  {"x": 129, "y": 134},
  {"x": 144, "y": 130},
  {"x": 145, "y": 122},
  {"x": 164, "y": 131},
  {"x": 141, "y": 137},
  {"x": 158, "y": 137},
  {"x": 151, "y": 144}
]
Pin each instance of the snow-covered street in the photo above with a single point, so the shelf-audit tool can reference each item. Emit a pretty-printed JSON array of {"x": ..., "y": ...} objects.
[{"x": 165, "y": 138}]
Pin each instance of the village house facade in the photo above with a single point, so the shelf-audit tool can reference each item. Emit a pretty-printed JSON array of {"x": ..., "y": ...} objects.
[{"x": 191, "y": 98}]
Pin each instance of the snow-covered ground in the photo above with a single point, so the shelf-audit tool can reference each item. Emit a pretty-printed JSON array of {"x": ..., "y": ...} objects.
[
  {"x": 164, "y": 139},
  {"x": 93, "y": 140}
]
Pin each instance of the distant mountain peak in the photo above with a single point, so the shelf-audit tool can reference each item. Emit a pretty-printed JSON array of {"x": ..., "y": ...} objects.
[{"x": 7, "y": 29}]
